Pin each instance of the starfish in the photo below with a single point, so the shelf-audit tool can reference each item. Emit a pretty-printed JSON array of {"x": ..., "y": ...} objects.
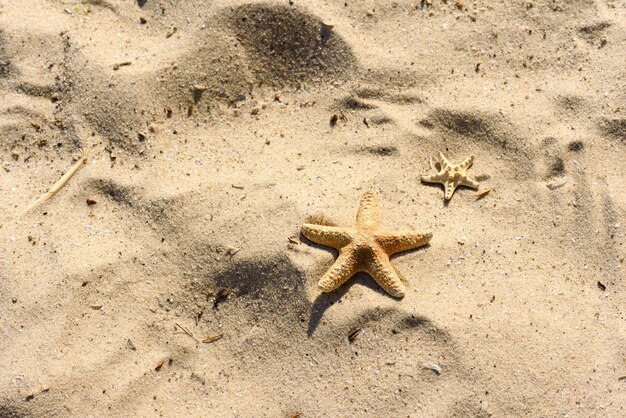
[
  {"x": 364, "y": 247},
  {"x": 452, "y": 175}
]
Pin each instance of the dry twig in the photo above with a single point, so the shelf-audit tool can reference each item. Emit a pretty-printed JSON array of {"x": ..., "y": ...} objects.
[
  {"x": 60, "y": 183},
  {"x": 185, "y": 331},
  {"x": 213, "y": 338}
]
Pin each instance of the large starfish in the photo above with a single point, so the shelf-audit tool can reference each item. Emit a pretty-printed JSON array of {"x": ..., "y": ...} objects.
[
  {"x": 452, "y": 175},
  {"x": 364, "y": 247}
]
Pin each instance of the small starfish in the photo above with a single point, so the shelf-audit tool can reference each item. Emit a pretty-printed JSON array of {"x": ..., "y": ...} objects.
[
  {"x": 364, "y": 248},
  {"x": 452, "y": 175}
]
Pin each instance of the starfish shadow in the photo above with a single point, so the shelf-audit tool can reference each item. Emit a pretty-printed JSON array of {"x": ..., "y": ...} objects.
[{"x": 325, "y": 300}]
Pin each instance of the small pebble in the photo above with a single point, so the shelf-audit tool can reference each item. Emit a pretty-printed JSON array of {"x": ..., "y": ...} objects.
[{"x": 434, "y": 367}]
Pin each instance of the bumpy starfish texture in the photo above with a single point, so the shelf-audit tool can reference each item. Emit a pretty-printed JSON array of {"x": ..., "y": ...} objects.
[
  {"x": 365, "y": 247},
  {"x": 452, "y": 175}
]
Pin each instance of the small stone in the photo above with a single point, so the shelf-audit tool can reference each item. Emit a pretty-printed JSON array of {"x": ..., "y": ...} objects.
[
  {"x": 130, "y": 345},
  {"x": 434, "y": 367},
  {"x": 171, "y": 32}
]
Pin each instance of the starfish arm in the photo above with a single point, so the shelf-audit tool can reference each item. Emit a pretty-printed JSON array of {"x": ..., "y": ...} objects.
[
  {"x": 432, "y": 165},
  {"x": 469, "y": 182},
  {"x": 369, "y": 213},
  {"x": 330, "y": 236},
  {"x": 443, "y": 161},
  {"x": 435, "y": 178},
  {"x": 450, "y": 187},
  {"x": 339, "y": 273},
  {"x": 382, "y": 271},
  {"x": 402, "y": 241},
  {"x": 467, "y": 163}
]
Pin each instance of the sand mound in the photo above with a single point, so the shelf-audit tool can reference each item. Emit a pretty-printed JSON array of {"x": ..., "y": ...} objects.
[
  {"x": 5, "y": 64},
  {"x": 238, "y": 51},
  {"x": 107, "y": 102},
  {"x": 289, "y": 45},
  {"x": 614, "y": 129},
  {"x": 473, "y": 125}
]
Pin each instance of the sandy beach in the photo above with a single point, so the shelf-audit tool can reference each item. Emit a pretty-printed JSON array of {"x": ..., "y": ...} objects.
[{"x": 169, "y": 276}]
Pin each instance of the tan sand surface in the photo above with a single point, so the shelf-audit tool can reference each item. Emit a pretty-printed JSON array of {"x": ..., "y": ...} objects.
[{"x": 215, "y": 129}]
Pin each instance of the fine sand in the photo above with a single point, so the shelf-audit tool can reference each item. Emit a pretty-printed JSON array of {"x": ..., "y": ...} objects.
[{"x": 215, "y": 129}]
